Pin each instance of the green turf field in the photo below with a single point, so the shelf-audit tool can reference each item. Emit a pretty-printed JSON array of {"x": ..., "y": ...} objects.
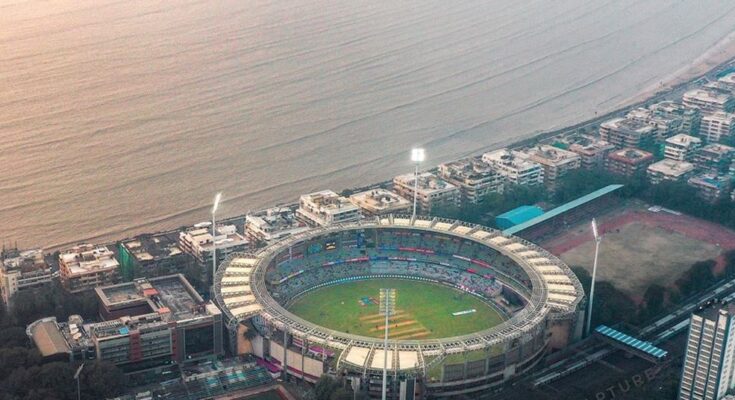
[{"x": 423, "y": 310}]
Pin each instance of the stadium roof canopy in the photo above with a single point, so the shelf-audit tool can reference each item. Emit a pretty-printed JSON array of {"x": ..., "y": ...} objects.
[
  {"x": 562, "y": 209},
  {"x": 517, "y": 216}
]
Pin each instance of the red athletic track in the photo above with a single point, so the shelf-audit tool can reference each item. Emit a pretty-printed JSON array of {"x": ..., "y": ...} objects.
[{"x": 689, "y": 226}]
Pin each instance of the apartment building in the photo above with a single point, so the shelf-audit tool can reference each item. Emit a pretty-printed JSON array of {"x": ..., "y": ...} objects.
[
  {"x": 717, "y": 127},
  {"x": 556, "y": 162},
  {"x": 623, "y": 133},
  {"x": 682, "y": 147},
  {"x": 628, "y": 162},
  {"x": 325, "y": 208},
  {"x": 22, "y": 270},
  {"x": 273, "y": 224},
  {"x": 474, "y": 177},
  {"x": 669, "y": 170},
  {"x": 87, "y": 266},
  {"x": 381, "y": 201},
  {"x": 514, "y": 167},
  {"x": 432, "y": 191}
]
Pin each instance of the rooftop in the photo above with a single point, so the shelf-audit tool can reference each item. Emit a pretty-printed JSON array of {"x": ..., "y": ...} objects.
[
  {"x": 710, "y": 180},
  {"x": 87, "y": 258},
  {"x": 630, "y": 155},
  {"x": 728, "y": 79},
  {"x": 167, "y": 294},
  {"x": 671, "y": 167},
  {"x": 327, "y": 200},
  {"x": 153, "y": 247},
  {"x": 468, "y": 169},
  {"x": 683, "y": 140},
  {"x": 379, "y": 199},
  {"x": 24, "y": 261},
  {"x": 427, "y": 182},
  {"x": 585, "y": 144},
  {"x": 719, "y": 116},
  {"x": 625, "y": 124},
  {"x": 509, "y": 158},
  {"x": 273, "y": 220},
  {"x": 717, "y": 149},
  {"x": 201, "y": 235},
  {"x": 550, "y": 154},
  {"x": 709, "y": 96}
]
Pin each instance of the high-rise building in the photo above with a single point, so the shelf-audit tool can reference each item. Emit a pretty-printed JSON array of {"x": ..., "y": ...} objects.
[
  {"x": 326, "y": 208},
  {"x": 152, "y": 255},
  {"x": 22, "y": 270},
  {"x": 714, "y": 157},
  {"x": 708, "y": 100},
  {"x": 87, "y": 266},
  {"x": 628, "y": 162},
  {"x": 432, "y": 191},
  {"x": 475, "y": 178},
  {"x": 592, "y": 150},
  {"x": 718, "y": 126},
  {"x": 514, "y": 167},
  {"x": 709, "y": 361},
  {"x": 380, "y": 202},
  {"x": 621, "y": 133},
  {"x": 669, "y": 170},
  {"x": 273, "y": 224},
  {"x": 556, "y": 162},
  {"x": 199, "y": 243},
  {"x": 682, "y": 147}
]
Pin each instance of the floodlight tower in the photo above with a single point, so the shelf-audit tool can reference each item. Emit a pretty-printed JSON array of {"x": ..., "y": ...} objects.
[
  {"x": 217, "y": 198},
  {"x": 387, "y": 307},
  {"x": 76, "y": 377},
  {"x": 417, "y": 156},
  {"x": 598, "y": 239}
]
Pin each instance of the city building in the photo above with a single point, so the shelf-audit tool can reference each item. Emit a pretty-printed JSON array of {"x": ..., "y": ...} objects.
[
  {"x": 475, "y": 178},
  {"x": 714, "y": 157},
  {"x": 669, "y": 170},
  {"x": 148, "y": 323},
  {"x": 591, "y": 150},
  {"x": 432, "y": 191},
  {"x": 556, "y": 162},
  {"x": 689, "y": 117},
  {"x": 381, "y": 202},
  {"x": 664, "y": 125},
  {"x": 710, "y": 186},
  {"x": 198, "y": 242},
  {"x": 708, "y": 100},
  {"x": 717, "y": 126},
  {"x": 628, "y": 162},
  {"x": 152, "y": 255},
  {"x": 326, "y": 208},
  {"x": 728, "y": 80},
  {"x": 514, "y": 167},
  {"x": 22, "y": 270},
  {"x": 682, "y": 147},
  {"x": 273, "y": 224},
  {"x": 708, "y": 369},
  {"x": 87, "y": 266},
  {"x": 622, "y": 133}
]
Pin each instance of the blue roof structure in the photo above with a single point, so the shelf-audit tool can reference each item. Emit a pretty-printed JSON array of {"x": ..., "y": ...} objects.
[
  {"x": 562, "y": 209},
  {"x": 630, "y": 341},
  {"x": 517, "y": 216}
]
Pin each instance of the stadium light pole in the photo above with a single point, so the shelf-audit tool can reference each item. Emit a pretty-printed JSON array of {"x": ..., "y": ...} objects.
[
  {"x": 598, "y": 239},
  {"x": 76, "y": 377},
  {"x": 387, "y": 305},
  {"x": 417, "y": 156},
  {"x": 217, "y": 198}
]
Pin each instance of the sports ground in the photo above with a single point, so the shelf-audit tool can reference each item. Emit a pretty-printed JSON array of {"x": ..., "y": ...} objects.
[
  {"x": 423, "y": 310},
  {"x": 641, "y": 247}
]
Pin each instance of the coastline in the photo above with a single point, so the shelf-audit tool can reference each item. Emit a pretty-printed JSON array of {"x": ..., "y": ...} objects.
[{"x": 714, "y": 60}]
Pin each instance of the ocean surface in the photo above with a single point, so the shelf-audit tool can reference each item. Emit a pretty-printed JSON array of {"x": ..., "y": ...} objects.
[{"x": 119, "y": 117}]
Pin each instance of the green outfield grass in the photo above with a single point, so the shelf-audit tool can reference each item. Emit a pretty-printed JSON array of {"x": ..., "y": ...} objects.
[{"x": 424, "y": 310}]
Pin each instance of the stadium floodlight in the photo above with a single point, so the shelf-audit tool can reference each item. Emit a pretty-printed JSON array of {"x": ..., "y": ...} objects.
[
  {"x": 418, "y": 155},
  {"x": 387, "y": 307},
  {"x": 217, "y": 199},
  {"x": 76, "y": 376},
  {"x": 598, "y": 239}
]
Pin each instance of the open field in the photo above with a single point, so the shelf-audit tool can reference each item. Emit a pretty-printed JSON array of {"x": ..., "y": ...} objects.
[
  {"x": 424, "y": 310},
  {"x": 641, "y": 247}
]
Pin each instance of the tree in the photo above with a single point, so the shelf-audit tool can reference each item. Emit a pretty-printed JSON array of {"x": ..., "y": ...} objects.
[
  {"x": 325, "y": 387},
  {"x": 653, "y": 302},
  {"x": 101, "y": 380}
]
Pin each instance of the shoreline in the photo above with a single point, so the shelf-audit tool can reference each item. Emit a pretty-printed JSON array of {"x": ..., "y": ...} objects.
[{"x": 713, "y": 61}]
